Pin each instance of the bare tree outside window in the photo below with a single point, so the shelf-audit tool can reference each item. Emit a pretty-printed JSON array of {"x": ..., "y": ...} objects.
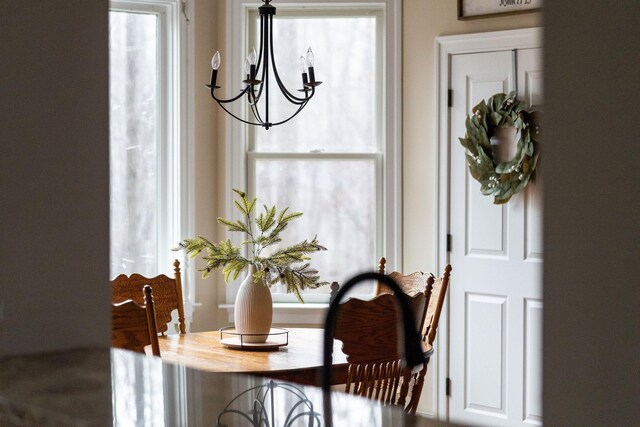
[
  {"x": 133, "y": 142},
  {"x": 327, "y": 161}
]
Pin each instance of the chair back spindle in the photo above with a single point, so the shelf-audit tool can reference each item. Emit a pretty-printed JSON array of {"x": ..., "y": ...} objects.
[{"x": 133, "y": 326}]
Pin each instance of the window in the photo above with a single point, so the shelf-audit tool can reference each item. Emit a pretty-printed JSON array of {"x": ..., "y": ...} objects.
[
  {"x": 336, "y": 160},
  {"x": 148, "y": 182}
]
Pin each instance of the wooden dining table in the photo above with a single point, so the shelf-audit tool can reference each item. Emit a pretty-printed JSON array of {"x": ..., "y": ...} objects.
[
  {"x": 108, "y": 387},
  {"x": 300, "y": 360}
]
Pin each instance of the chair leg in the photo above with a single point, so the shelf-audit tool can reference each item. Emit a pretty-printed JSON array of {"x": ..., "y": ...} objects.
[{"x": 416, "y": 391}]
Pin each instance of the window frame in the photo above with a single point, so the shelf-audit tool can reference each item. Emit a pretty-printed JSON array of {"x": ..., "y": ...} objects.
[
  {"x": 175, "y": 147},
  {"x": 388, "y": 163}
]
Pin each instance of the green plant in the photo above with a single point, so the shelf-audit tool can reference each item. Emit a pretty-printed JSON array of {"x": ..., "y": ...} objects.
[{"x": 283, "y": 265}]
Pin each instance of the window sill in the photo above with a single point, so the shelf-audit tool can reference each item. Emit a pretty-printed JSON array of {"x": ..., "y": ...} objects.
[{"x": 292, "y": 313}]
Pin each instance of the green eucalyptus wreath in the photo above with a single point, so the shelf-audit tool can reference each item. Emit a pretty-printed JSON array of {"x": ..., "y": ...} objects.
[{"x": 504, "y": 179}]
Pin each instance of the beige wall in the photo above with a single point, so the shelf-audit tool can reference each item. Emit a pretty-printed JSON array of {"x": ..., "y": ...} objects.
[
  {"x": 423, "y": 21},
  {"x": 208, "y": 18}
]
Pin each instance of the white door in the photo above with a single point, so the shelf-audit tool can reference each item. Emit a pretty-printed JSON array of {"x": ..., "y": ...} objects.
[{"x": 495, "y": 306}]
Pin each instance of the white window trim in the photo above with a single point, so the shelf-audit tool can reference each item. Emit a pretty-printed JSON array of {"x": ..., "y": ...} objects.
[
  {"x": 175, "y": 157},
  {"x": 236, "y": 174},
  {"x": 175, "y": 179}
]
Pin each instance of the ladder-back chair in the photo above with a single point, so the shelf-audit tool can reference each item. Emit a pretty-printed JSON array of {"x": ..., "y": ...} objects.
[
  {"x": 435, "y": 290},
  {"x": 167, "y": 293},
  {"x": 133, "y": 326},
  {"x": 370, "y": 333}
]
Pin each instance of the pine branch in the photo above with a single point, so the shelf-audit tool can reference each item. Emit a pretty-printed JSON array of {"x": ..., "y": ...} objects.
[
  {"x": 300, "y": 278},
  {"x": 267, "y": 220},
  {"x": 234, "y": 226},
  {"x": 295, "y": 253},
  {"x": 286, "y": 265}
]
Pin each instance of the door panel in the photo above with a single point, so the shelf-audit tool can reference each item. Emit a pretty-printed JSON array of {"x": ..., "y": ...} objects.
[
  {"x": 495, "y": 309},
  {"x": 485, "y": 232},
  {"x": 485, "y": 353},
  {"x": 533, "y": 362},
  {"x": 533, "y": 221}
]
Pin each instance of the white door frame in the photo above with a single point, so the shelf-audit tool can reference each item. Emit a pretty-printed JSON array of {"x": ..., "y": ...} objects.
[{"x": 446, "y": 46}]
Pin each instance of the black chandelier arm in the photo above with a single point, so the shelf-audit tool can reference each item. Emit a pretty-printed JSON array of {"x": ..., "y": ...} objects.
[
  {"x": 251, "y": 96},
  {"x": 266, "y": 29},
  {"x": 290, "y": 97},
  {"x": 256, "y": 114},
  {"x": 294, "y": 114},
  {"x": 260, "y": 122},
  {"x": 261, "y": 41},
  {"x": 258, "y": 78},
  {"x": 225, "y": 101},
  {"x": 238, "y": 118}
]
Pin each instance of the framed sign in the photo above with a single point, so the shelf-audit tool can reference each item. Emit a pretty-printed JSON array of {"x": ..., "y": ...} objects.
[{"x": 473, "y": 9}]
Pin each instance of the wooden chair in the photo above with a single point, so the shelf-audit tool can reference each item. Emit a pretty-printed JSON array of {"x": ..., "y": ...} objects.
[
  {"x": 435, "y": 291},
  {"x": 439, "y": 288},
  {"x": 167, "y": 293},
  {"x": 370, "y": 333},
  {"x": 411, "y": 284},
  {"x": 133, "y": 326}
]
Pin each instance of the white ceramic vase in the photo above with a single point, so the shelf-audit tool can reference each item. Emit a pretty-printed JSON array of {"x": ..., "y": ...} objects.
[{"x": 253, "y": 311}]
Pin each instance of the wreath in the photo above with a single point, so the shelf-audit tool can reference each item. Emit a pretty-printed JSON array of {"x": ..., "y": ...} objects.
[{"x": 501, "y": 180}]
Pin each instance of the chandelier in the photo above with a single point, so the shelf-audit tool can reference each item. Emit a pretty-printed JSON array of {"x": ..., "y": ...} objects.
[{"x": 258, "y": 66}]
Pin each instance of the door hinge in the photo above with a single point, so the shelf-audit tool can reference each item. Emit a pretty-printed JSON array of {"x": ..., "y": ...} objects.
[
  {"x": 447, "y": 388},
  {"x": 449, "y": 242},
  {"x": 450, "y": 98}
]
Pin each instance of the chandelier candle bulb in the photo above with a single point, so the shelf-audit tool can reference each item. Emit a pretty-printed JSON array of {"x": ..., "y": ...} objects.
[
  {"x": 215, "y": 61},
  {"x": 310, "y": 60},
  {"x": 215, "y": 64}
]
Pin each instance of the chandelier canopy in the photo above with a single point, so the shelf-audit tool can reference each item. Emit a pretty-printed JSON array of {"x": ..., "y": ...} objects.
[{"x": 258, "y": 67}]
